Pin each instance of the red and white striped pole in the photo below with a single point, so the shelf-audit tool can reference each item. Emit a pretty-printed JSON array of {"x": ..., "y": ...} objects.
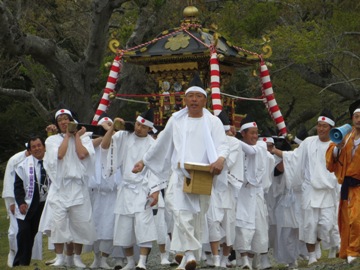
[
  {"x": 215, "y": 84},
  {"x": 271, "y": 104},
  {"x": 109, "y": 88}
]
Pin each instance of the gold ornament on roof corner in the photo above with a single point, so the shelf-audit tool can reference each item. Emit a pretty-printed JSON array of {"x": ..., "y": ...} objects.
[
  {"x": 107, "y": 65},
  {"x": 214, "y": 26},
  {"x": 266, "y": 48},
  {"x": 267, "y": 51},
  {"x": 266, "y": 39},
  {"x": 254, "y": 73},
  {"x": 113, "y": 45}
]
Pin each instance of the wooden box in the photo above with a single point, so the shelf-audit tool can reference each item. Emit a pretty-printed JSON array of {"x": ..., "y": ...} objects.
[{"x": 200, "y": 181}]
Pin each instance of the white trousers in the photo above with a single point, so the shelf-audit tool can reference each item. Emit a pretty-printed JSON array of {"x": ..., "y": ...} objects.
[
  {"x": 134, "y": 229},
  {"x": 317, "y": 223},
  {"x": 73, "y": 224},
  {"x": 223, "y": 230},
  {"x": 254, "y": 240}
]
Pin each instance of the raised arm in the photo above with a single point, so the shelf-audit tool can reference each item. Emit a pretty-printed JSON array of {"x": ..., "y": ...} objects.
[
  {"x": 64, "y": 146},
  {"x": 81, "y": 151},
  {"x": 105, "y": 144}
]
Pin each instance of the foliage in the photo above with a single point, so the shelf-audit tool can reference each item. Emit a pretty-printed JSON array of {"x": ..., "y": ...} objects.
[
  {"x": 18, "y": 123},
  {"x": 305, "y": 35}
]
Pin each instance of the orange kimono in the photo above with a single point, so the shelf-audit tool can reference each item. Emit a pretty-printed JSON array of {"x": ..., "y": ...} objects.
[{"x": 346, "y": 167}]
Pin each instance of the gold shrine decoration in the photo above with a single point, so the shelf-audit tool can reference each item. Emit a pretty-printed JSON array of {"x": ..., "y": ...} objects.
[
  {"x": 267, "y": 53},
  {"x": 177, "y": 42},
  {"x": 173, "y": 66},
  {"x": 114, "y": 45}
]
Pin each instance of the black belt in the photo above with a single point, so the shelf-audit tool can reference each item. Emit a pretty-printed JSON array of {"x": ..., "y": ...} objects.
[{"x": 348, "y": 182}]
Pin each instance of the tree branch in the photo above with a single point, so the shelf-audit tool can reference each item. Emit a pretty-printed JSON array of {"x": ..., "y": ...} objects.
[
  {"x": 351, "y": 33},
  {"x": 344, "y": 88},
  {"x": 23, "y": 94},
  {"x": 338, "y": 83}
]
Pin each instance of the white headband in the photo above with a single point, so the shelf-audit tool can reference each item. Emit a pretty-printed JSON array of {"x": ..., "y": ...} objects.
[
  {"x": 248, "y": 125},
  {"x": 62, "y": 111},
  {"x": 104, "y": 119},
  {"x": 327, "y": 120},
  {"x": 267, "y": 139},
  {"x": 357, "y": 110},
  {"x": 196, "y": 89},
  {"x": 145, "y": 122}
]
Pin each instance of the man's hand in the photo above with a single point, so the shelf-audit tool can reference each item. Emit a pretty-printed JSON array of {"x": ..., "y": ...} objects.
[
  {"x": 23, "y": 208},
  {"x": 340, "y": 145},
  {"x": 138, "y": 167},
  {"x": 119, "y": 123},
  {"x": 81, "y": 131},
  {"x": 277, "y": 152},
  {"x": 217, "y": 166},
  {"x": 106, "y": 125},
  {"x": 51, "y": 129},
  {"x": 12, "y": 208},
  {"x": 155, "y": 197}
]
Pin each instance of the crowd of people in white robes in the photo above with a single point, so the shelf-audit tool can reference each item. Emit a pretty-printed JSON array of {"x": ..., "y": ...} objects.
[{"x": 118, "y": 194}]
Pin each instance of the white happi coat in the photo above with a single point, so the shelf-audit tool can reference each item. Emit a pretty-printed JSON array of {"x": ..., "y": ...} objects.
[
  {"x": 125, "y": 150},
  {"x": 69, "y": 188},
  {"x": 9, "y": 179},
  {"x": 187, "y": 139},
  {"x": 222, "y": 203},
  {"x": 287, "y": 218},
  {"x": 235, "y": 176},
  {"x": 103, "y": 191},
  {"x": 256, "y": 178},
  {"x": 69, "y": 175},
  {"x": 307, "y": 165}
]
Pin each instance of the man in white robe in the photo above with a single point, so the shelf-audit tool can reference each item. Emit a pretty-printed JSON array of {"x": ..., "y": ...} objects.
[
  {"x": 69, "y": 160},
  {"x": 285, "y": 213},
  {"x": 192, "y": 134},
  {"x": 134, "y": 221},
  {"x": 251, "y": 211},
  {"x": 103, "y": 192},
  {"x": 221, "y": 212},
  {"x": 307, "y": 165}
]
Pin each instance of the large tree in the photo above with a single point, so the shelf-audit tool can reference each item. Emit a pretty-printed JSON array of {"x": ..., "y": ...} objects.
[
  {"x": 315, "y": 61},
  {"x": 53, "y": 51},
  {"x": 70, "y": 42}
]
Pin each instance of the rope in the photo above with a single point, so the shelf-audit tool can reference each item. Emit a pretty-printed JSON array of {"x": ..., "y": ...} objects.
[
  {"x": 183, "y": 27},
  {"x": 151, "y": 95},
  {"x": 244, "y": 98},
  {"x": 132, "y": 100}
]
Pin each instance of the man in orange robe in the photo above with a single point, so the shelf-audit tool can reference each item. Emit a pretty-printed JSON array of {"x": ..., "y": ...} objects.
[{"x": 344, "y": 160}]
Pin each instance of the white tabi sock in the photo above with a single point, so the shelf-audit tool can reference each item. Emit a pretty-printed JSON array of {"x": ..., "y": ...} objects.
[{"x": 312, "y": 258}]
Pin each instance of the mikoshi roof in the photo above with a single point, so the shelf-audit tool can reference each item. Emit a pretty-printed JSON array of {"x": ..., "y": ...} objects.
[{"x": 189, "y": 43}]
